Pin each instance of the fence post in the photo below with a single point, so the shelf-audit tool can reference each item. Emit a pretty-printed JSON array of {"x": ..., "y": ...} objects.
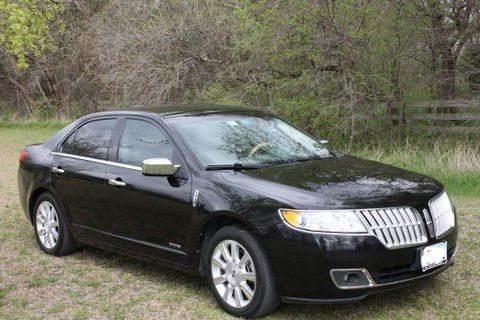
[
  {"x": 352, "y": 127},
  {"x": 401, "y": 120}
]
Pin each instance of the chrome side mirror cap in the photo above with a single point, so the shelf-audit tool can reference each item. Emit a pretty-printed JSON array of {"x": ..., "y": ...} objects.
[{"x": 159, "y": 167}]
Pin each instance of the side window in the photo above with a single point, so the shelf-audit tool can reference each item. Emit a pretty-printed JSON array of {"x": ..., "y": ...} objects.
[
  {"x": 91, "y": 140},
  {"x": 68, "y": 144},
  {"x": 142, "y": 140}
]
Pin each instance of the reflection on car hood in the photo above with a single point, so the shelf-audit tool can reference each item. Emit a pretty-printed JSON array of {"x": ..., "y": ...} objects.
[{"x": 343, "y": 182}]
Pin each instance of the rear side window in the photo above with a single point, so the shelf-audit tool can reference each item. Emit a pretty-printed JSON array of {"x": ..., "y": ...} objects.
[
  {"x": 68, "y": 144},
  {"x": 91, "y": 140},
  {"x": 142, "y": 140}
]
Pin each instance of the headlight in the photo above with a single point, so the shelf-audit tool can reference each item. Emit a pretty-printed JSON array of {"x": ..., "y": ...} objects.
[{"x": 340, "y": 221}]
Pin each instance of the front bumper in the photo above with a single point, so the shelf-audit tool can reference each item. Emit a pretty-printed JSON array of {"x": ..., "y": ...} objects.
[
  {"x": 375, "y": 288},
  {"x": 302, "y": 263}
]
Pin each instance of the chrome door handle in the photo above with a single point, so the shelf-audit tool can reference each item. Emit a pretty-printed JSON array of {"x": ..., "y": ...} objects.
[
  {"x": 58, "y": 170},
  {"x": 116, "y": 183}
]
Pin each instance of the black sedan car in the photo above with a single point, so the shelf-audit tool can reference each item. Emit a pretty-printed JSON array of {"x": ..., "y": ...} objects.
[{"x": 261, "y": 209}]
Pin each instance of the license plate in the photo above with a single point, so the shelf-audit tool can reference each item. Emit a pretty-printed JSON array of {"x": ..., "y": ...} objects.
[{"x": 434, "y": 255}]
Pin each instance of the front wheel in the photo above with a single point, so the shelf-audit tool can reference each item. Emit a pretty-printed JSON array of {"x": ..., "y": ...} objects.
[{"x": 240, "y": 275}]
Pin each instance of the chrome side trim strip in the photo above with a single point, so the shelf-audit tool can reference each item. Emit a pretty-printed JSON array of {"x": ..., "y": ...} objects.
[{"x": 109, "y": 163}]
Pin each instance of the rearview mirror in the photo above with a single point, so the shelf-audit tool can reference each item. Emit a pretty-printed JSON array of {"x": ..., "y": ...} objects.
[{"x": 158, "y": 167}]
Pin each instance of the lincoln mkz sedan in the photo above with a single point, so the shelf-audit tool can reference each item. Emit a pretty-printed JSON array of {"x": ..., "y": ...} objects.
[{"x": 264, "y": 211}]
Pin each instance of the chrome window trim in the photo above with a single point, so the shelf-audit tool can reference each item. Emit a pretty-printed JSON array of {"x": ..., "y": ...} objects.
[{"x": 106, "y": 162}]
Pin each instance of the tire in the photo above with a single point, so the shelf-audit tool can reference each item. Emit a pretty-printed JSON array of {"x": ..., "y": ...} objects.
[
  {"x": 51, "y": 229},
  {"x": 246, "y": 280}
]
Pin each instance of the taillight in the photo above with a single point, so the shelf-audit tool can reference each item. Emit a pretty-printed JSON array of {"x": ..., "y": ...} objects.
[{"x": 23, "y": 156}]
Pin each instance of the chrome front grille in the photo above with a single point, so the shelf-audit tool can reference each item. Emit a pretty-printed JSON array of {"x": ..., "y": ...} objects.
[
  {"x": 396, "y": 227},
  {"x": 443, "y": 217}
]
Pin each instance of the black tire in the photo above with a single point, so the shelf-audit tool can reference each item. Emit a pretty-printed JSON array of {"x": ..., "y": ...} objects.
[
  {"x": 265, "y": 299},
  {"x": 65, "y": 243}
]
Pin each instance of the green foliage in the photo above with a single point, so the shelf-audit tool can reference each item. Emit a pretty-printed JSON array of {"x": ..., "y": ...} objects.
[
  {"x": 24, "y": 27},
  {"x": 325, "y": 65},
  {"x": 216, "y": 93},
  {"x": 312, "y": 62}
]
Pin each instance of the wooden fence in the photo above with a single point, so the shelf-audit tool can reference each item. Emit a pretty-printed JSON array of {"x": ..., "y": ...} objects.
[{"x": 444, "y": 116}]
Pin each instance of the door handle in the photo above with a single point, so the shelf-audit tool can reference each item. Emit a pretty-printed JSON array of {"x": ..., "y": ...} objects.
[
  {"x": 116, "y": 183},
  {"x": 57, "y": 170}
]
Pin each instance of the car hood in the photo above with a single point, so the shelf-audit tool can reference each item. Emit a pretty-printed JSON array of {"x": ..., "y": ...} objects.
[{"x": 339, "y": 182}]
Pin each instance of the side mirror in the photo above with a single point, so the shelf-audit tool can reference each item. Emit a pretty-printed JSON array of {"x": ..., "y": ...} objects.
[
  {"x": 158, "y": 167},
  {"x": 323, "y": 141}
]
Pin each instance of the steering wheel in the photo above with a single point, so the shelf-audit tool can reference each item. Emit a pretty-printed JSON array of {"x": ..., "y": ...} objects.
[{"x": 258, "y": 147}]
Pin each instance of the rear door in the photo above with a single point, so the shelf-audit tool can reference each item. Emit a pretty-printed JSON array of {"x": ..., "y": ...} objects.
[
  {"x": 150, "y": 214},
  {"x": 78, "y": 177}
]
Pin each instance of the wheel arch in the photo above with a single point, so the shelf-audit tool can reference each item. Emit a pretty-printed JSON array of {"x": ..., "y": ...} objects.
[
  {"x": 35, "y": 194},
  {"x": 210, "y": 227}
]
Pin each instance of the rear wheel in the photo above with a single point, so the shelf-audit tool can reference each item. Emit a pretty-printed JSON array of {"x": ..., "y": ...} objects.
[
  {"x": 51, "y": 230},
  {"x": 240, "y": 275}
]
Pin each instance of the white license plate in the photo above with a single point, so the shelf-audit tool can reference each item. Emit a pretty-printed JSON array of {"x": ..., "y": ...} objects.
[{"x": 434, "y": 255}]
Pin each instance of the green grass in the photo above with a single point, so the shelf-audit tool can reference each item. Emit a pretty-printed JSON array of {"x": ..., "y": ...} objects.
[
  {"x": 457, "y": 166},
  {"x": 94, "y": 284},
  {"x": 33, "y": 124}
]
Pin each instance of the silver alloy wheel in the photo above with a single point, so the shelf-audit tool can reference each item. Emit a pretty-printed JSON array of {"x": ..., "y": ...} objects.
[
  {"x": 47, "y": 224},
  {"x": 233, "y": 273}
]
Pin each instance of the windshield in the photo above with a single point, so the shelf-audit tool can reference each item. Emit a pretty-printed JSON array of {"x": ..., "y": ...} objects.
[{"x": 229, "y": 139}]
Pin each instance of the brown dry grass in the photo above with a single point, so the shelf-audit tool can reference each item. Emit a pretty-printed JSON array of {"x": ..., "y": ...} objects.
[{"x": 93, "y": 284}]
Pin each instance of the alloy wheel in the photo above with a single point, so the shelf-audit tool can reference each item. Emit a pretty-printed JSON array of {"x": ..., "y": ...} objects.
[
  {"x": 47, "y": 224},
  {"x": 233, "y": 273}
]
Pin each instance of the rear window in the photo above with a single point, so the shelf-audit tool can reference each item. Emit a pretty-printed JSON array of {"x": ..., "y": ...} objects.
[{"x": 91, "y": 140}]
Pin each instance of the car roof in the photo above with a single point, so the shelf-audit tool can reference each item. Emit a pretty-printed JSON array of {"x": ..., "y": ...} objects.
[{"x": 168, "y": 111}]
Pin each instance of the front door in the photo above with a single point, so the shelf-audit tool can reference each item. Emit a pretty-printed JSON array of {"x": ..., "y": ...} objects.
[{"x": 149, "y": 214}]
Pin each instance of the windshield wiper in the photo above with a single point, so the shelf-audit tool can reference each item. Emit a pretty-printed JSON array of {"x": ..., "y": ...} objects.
[
  {"x": 293, "y": 160},
  {"x": 306, "y": 159},
  {"x": 236, "y": 166}
]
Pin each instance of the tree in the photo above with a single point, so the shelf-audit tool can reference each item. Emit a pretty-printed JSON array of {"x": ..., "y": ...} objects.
[
  {"x": 24, "y": 37},
  {"x": 469, "y": 65},
  {"x": 452, "y": 24}
]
